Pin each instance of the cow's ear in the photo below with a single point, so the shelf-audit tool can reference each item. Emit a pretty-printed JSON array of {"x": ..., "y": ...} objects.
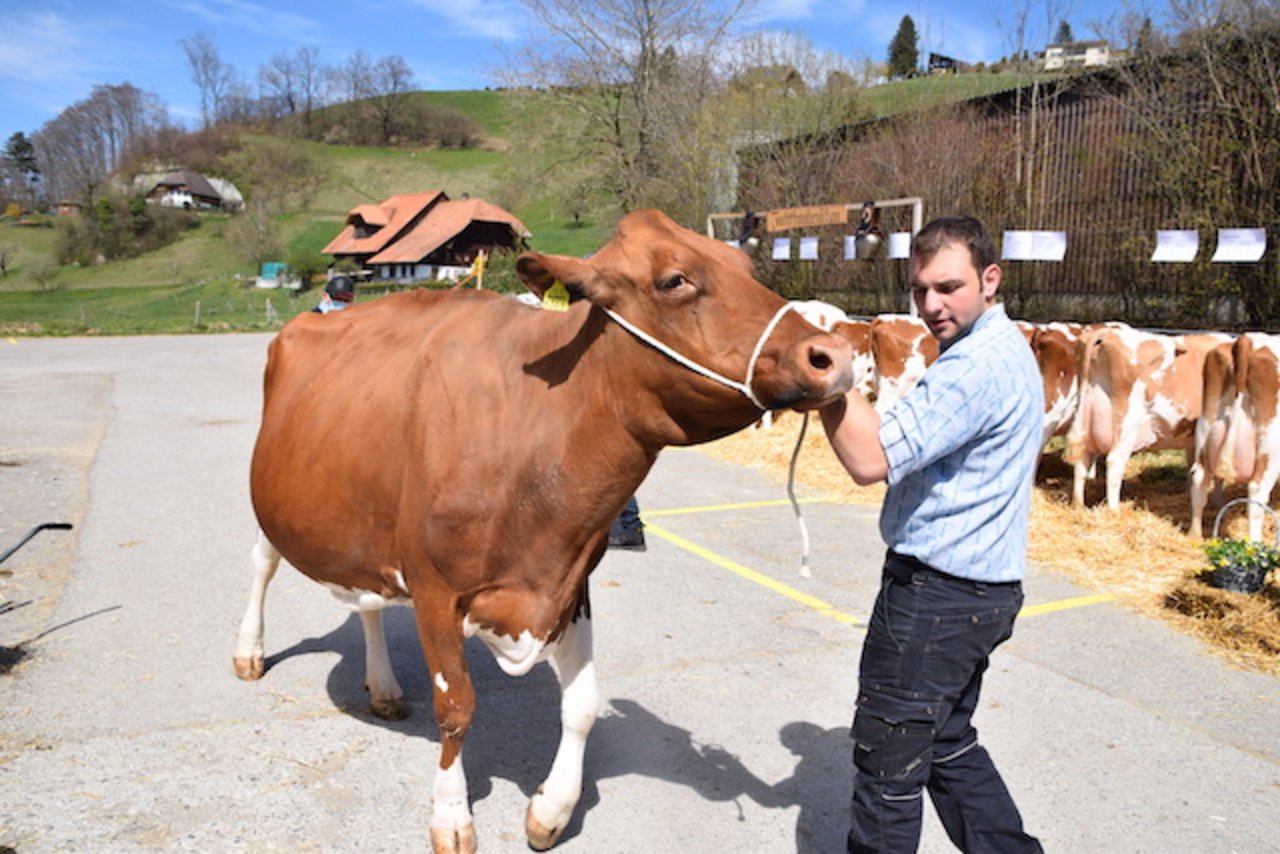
[{"x": 539, "y": 272}]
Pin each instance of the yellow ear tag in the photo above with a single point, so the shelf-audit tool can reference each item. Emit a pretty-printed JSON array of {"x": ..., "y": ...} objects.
[{"x": 556, "y": 297}]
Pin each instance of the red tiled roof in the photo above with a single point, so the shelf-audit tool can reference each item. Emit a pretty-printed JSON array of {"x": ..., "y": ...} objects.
[
  {"x": 398, "y": 212},
  {"x": 370, "y": 214},
  {"x": 444, "y": 222}
]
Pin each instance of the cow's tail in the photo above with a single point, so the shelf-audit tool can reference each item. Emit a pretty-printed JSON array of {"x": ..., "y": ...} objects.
[
  {"x": 1237, "y": 456},
  {"x": 1081, "y": 439}
]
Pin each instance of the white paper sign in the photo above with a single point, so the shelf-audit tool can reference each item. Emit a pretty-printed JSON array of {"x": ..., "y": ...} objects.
[
  {"x": 1179, "y": 245},
  {"x": 850, "y": 247},
  {"x": 1049, "y": 245},
  {"x": 900, "y": 244},
  {"x": 1241, "y": 244},
  {"x": 808, "y": 249},
  {"x": 782, "y": 249},
  {"x": 1017, "y": 246},
  {"x": 1034, "y": 245}
]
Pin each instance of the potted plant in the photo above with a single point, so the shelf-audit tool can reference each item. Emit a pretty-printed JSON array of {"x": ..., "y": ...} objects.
[{"x": 1238, "y": 565}]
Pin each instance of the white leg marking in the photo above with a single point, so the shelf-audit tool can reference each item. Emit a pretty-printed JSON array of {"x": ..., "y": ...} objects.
[
  {"x": 449, "y": 798},
  {"x": 249, "y": 649},
  {"x": 553, "y": 805}
]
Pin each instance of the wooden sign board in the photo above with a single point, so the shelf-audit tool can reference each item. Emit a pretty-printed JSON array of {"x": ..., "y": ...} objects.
[{"x": 786, "y": 218}]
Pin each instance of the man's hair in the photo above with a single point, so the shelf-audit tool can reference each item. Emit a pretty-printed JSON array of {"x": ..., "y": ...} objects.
[{"x": 946, "y": 230}]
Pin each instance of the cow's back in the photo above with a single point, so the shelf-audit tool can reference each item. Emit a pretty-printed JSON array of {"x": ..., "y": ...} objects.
[{"x": 441, "y": 407}]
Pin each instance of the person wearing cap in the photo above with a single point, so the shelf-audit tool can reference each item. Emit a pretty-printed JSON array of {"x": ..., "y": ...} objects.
[{"x": 338, "y": 294}]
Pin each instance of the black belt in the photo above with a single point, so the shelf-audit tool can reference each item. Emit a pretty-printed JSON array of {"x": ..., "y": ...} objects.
[{"x": 903, "y": 567}]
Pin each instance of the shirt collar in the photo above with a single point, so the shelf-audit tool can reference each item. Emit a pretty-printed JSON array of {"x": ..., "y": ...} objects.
[{"x": 987, "y": 316}]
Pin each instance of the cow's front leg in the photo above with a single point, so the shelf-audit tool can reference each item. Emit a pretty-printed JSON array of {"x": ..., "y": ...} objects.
[
  {"x": 452, "y": 827},
  {"x": 249, "y": 661},
  {"x": 552, "y": 807}
]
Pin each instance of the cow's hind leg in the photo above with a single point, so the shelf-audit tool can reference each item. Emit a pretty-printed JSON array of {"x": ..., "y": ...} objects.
[
  {"x": 249, "y": 661},
  {"x": 386, "y": 697},
  {"x": 552, "y": 807}
]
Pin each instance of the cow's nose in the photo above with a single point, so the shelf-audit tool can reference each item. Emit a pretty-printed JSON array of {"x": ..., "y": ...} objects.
[{"x": 828, "y": 360}]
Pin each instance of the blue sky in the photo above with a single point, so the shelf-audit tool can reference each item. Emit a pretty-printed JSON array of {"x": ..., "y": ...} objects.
[{"x": 53, "y": 52}]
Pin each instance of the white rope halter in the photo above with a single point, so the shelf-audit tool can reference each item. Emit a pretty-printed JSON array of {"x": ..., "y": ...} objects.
[{"x": 744, "y": 386}]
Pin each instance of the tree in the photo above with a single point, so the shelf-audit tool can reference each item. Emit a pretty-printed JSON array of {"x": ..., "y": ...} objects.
[
  {"x": 212, "y": 76},
  {"x": 19, "y": 169},
  {"x": 86, "y": 143},
  {"x": 279, "y": 82},
  {"x": 904, "y": 53},
  {"x": 1063, "y": 35},
  {"x": 632, "y": 76},
  {"x": 390, "y": 92}
]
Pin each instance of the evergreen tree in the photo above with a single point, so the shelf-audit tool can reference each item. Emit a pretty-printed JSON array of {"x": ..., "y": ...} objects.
[
  {"x": 904, "y": 54},
  {"x": 1064, "y": 34},
  {"x": 22, "y": 154}
]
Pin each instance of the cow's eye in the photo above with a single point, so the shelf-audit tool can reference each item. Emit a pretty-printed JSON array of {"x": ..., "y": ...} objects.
[{"x": 670, "y": 283}]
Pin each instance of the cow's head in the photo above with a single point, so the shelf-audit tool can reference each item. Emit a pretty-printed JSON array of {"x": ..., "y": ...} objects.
[{"x": 698, "y": 297}]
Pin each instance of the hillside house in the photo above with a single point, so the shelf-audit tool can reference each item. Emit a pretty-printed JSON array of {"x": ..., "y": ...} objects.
[
  {"x": 423, "y": 236},
  {"x": 184, "y": 189},
  {"x": 1089, "y": 54}
]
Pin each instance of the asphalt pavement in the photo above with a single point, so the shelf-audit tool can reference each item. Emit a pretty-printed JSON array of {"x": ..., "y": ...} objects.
[{"x": 727, "y": 678}]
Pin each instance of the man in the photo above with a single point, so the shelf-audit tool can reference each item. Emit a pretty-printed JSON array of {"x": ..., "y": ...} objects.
[
  {"x": 958, "y": 453},
  {"x": 338, "y": 294}
]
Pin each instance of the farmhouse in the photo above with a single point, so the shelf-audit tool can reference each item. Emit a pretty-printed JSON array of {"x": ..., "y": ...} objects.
[{"x": 426, "y": 235}]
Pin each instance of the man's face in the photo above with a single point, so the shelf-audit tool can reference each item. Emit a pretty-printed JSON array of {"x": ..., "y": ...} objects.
[{"x": 949, "y": 293}]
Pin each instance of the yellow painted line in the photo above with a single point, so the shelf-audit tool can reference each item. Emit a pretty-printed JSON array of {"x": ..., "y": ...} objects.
[
  {"x": 821, "y": 606},
  {"x": 1065, "y": 604},
  {"x": 716, "y": 508},
  {"x": 826, "y": 609}
]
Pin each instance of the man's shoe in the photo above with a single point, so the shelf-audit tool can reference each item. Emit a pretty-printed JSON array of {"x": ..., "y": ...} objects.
[{"x": 630, "y": 540}]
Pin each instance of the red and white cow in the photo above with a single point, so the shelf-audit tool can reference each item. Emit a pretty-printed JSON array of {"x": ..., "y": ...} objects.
[
  {"x": 1238, "y": 435},
  {"x": 488, "y": 447},
  {"x": 903, "y": 347},
  {"x": 1138, "y": 391}
]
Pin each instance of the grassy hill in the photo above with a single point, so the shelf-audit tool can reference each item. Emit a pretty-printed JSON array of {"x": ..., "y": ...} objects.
[{"x": 203, "y": 267}]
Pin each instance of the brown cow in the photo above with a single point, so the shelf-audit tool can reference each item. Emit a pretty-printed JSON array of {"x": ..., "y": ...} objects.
[
  {"x": 1236, "y": 438},
  {"x": 491, "y": 445},
  {"x": 1138, "y": 391}
]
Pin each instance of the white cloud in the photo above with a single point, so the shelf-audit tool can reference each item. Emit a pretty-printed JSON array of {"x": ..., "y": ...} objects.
[
  {"x": 253, "y": 17},
  {"x": 476, "y": 18}
]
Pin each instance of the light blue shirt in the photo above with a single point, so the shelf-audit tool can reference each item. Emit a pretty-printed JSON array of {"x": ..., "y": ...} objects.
[{"x": 962, "y": 448}]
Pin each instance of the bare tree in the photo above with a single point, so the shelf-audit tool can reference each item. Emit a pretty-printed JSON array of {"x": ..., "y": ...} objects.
[
  {"x": 390, "y": 93},
  {"x": 211, "y": 75},
  {"x": 627, "y": 72},
  {"x": 279, "y": 82},
  {"x": 310, "y": 76},
  {"x": 89, "y": 141}
]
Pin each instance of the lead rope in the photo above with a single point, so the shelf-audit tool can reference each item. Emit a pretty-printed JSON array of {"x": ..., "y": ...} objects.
[
  {"x": 805, "y": 571},
  {"x": 745, "y": 388}
]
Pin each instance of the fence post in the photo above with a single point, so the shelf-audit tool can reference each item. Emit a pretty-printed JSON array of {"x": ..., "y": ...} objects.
[{"x": 196, "y": 322}]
